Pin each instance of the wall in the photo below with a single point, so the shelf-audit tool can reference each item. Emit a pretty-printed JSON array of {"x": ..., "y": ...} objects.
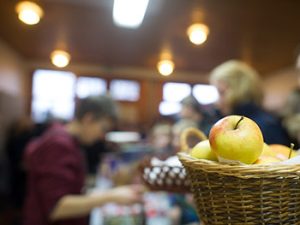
[
  {"x": 11, "y": 71},
  {"x": 277, "y": 86},
  {"x": 12, "y": 89}
]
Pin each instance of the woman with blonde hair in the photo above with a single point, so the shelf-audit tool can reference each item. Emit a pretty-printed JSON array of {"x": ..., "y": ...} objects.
[{"x": 240, "y": 93}]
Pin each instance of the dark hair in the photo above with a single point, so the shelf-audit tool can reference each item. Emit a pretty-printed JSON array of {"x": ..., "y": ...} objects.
[
  {"x": 292, "y": 104},
  {"x": 192, "y": 102},
  {"x": 99, "y": 106}
]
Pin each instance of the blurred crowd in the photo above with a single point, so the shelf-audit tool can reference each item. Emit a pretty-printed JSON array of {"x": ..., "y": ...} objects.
[{"x": 67, "y": 157}]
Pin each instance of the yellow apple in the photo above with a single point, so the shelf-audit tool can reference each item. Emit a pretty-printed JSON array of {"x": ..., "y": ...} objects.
[
  {"x": 282, "y": 152},
  {"x": 236, "y": 138},
  {"x": 202, "y": 150},
  {"x": 267, "y": 156},
  {"x": 267, "y": 159},
  {"x": 267, "y": 151}
]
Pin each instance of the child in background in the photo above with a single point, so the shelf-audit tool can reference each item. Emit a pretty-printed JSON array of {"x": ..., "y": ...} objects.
[
  {"x": 183, "y": 211},
  {"x": 161, "y": 139}
]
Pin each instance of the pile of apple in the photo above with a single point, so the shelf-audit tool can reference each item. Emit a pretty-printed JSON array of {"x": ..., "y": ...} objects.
[{"x": 239, "y": 139}]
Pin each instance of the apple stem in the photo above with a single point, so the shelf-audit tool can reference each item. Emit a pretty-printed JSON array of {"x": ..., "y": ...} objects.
[
  {"x": 291, "y": 150},
  {"x": 236, "y": 126}
]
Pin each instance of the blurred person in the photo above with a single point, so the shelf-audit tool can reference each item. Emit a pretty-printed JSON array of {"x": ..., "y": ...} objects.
[
  {"x": 161, "y": 139},
  {"x": 56, "y": 168},
  {"x": 292, "y": 124},
  {"x": 21, "y": 131},
  {"x": 19, "y": 134},
  {"x": 291, "y": 114},
  {"x": 240, "y": 93},
  {"x": 292, "y": 104},
  {"x": 182, "y": 211},
  {"x": 191, "y": 109}
]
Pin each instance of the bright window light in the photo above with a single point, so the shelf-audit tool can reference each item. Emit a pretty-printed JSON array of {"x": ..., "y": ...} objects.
[
  {"x": 86, "y": 86},
  {"x": 129, "y": 13},
  {"x": 125, "y": 90},
  {"x": 123, "y": 136},
  {"x": 169, "y": 108},
  {"x": 175, "y": 92},
  {"x": 205, "y": 94},
  {"x": 52, "y": 95}
]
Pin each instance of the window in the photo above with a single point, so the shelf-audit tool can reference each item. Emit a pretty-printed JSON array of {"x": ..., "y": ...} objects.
[
  {"x": 125, "y": 90},
  {"x": 52, "y": 95},
  {"x": 169, "y": 108},
  {"x": 86, "y": 86},
  {"x": 205, "y": 94},
  {"x": 173, "y": 93}
]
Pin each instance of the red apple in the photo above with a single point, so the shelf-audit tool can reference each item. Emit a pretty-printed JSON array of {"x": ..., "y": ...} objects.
[{"x": 236, "y": 138}]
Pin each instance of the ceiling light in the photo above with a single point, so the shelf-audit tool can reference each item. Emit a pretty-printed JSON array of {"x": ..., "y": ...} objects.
[
  {"x": 197, "y": 33},
  {"x": 29, "y": 12},
  {"x": 165, "y": 67},
  {"x": 129, "y": 13},
  {"x": 60, "y": 58}
]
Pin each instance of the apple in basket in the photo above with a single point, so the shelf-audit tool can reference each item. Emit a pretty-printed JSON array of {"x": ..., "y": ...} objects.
[
  {"x": 267, "y": 156},
  {"x": 282, "y": 152},
  {"x": 202, "y": 150},
  {"x": 236, "y": 138}
]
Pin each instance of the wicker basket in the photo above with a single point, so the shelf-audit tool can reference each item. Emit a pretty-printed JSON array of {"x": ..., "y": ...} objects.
[
  {"x": 164, "y": 177},
  {"x": 244, "y": 194},
  {"x": 170, "y": 178}
]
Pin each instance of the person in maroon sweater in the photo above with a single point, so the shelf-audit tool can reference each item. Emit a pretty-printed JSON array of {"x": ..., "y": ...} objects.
[{"x": 56, "y": 169}]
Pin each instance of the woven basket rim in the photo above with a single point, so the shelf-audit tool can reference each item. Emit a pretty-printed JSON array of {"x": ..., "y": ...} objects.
[{"x": 241, "y": 171}]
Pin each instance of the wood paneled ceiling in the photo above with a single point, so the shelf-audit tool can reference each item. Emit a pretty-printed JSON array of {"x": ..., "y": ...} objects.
[{"x": 265, "y": 33}]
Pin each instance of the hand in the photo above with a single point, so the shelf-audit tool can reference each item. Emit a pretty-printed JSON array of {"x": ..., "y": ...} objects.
[
  {"x": 126, "y": 195},
  {"x": 190, "y": 199}
]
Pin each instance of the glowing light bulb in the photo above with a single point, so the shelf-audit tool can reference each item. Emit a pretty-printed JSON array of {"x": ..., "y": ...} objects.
[
  {"x": 198, "y": 33},
  {"x": 165, "y": 67},
  {"x": 60, "y": 58},
  {"x": 29, "y": 12}
]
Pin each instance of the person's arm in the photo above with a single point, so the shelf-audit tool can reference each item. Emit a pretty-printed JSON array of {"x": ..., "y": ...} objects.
[
  {"x": 174, "y": 214},
  {"x": 71, "y": 206}
]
